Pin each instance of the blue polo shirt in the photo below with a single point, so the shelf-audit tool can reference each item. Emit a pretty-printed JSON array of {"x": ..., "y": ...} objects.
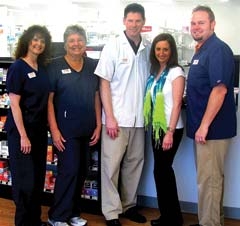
[
  {"x": 74, "y": 96},
  {"x": 212, "y": 65}
]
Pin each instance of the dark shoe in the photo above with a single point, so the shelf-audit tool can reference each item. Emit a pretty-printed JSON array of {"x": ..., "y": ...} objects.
[
  {"x": 44, "y": 224},
  {"x": 156, "y": 222},
  {"x": 133, "y": 215},
  {"x": 113, "y": 222},
  {"x": 194, "y": 225},
  {"x": 159, "y": 222}
]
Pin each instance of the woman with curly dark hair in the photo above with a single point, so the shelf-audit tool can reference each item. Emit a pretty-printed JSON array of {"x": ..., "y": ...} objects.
[{"x": 26, "y": 125}]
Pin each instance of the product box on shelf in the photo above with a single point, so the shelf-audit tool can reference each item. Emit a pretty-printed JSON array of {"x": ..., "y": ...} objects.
[
  {"x": 4, "y": 148},
  {"x": 2, "y": 121},
  {"x": 94, "y": 161},
  {"x": 50, "y": 154},
  {"x": 4, "y": 101},
  {"x": 49, "y": 181},
  {"x": 4, "y": 171},
  {"x": 5, "y": 176},
  {"x": 3, "y": 164},
  {"x": 95, "y": 190},
  {"x": 3, "y": 75},
  {"x": 90, "y": 190}
]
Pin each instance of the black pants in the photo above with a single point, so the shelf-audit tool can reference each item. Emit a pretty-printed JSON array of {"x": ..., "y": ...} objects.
[
  {"x": 28, "y": 175},
  {"x": 165, "y": 181},
  {"x": 71, "y": 173}
]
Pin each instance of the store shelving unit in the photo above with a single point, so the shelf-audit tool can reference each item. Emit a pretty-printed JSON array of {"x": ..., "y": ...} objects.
[{"x": 5, "y": 175}]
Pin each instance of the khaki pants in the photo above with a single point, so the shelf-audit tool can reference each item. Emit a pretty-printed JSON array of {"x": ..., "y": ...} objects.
[
  {"x": 210, "y": 178},
  {"x": 122, "y": 161}
]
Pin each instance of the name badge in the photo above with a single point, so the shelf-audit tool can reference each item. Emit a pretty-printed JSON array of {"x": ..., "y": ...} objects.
[
  {"x": 66, "y": 71},
  {"x": 195, "y": 62},
  {"x": 125, "y": 60},
  {"x": 31, "y": 75}
]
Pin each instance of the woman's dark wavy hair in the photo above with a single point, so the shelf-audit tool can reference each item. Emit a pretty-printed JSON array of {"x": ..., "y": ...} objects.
[
  {"x": 173, "y": 60},
  {"x": 26, "y": 38}
]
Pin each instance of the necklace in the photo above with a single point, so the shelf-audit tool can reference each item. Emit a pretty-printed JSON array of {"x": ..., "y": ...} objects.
[
  {"x": 75, "y": 64},
  {"x": 31, "y": 62}
]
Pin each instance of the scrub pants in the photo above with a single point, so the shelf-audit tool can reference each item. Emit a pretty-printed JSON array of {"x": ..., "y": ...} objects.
[
  {"x": 122, "y": 161},
  {"x": 165, "y": 181},
  {"x": 210, "y": 159},
  {"x": 71, "y": 173},
  {"x": 28, "y": 175}
]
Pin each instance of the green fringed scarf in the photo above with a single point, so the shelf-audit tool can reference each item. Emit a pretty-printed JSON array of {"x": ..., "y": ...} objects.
[{"x": 153, "y": 108}]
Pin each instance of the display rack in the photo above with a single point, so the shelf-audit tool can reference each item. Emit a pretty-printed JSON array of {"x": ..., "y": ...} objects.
[{"x": 5, "y": 175}]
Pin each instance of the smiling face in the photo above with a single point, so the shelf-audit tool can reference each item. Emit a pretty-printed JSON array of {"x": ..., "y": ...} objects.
[
  {"x": 201, "y": 26},
  {"x": 37, "y": 44},
  {"x": 162, "y": 52},
  {"x": 133, "y": 23},
  {"x": 75, "y": 45}
]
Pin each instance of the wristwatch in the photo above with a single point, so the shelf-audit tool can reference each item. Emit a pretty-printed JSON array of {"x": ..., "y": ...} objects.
[{"x": 170, "y": 129}]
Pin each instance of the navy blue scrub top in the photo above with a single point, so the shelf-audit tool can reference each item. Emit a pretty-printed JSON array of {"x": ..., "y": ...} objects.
[
  {"x": 74, "y": 96},
  {"x": 33, "y": 87}
]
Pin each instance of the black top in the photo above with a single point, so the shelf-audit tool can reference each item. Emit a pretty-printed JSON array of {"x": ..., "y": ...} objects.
[{"x": 33, "y": 87}]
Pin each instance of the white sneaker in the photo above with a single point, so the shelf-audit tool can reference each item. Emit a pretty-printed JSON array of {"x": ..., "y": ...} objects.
[
  {"x": 57, "y": 223},
  {"x": 77, "y": 221}
]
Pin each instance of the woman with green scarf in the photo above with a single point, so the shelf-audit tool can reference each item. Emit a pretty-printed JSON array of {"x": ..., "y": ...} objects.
[{"x": 162, "y": 114}]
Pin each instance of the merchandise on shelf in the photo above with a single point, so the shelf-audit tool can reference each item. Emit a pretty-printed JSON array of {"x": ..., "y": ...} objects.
[
  {"x": 90, "y": 189},
  {"x": 93, "y": 166},
  {"x": 4, "y": 101},
  {"x": 3, "y": 75},
  {"x": 5, "y": 175},
  {"x": 49, "y": 181},
  {"x": 51, "y": 156},
  {"x": 4, "y": 148},
  {"x": 2, "y": 122},
  {"x": 3, "y": 165}
]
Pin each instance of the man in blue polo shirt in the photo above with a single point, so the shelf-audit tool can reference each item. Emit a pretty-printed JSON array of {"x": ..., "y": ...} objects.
[{"x": 211, "y": 116}]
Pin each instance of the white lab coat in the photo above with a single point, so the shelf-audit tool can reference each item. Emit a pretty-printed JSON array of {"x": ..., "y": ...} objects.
[{"x": 127, "y": 73}]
